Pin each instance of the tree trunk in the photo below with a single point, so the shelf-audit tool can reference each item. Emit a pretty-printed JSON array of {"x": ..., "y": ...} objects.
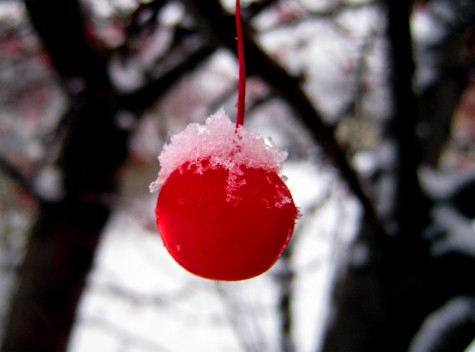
[
  {"x": 381, "y": 298},
  {"x": 59, "y": 256},
  {"x": 62, "y": 244}
]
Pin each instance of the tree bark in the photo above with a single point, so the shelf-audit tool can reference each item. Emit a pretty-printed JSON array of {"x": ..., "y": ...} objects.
[
  {"x": 383, "y": 295},
  {"x": 62, "y": 244},
  {"x": 59, "y": 256}
]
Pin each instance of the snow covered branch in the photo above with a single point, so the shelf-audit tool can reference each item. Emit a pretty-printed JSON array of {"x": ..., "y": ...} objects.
[{"x": 449, "y": 328}]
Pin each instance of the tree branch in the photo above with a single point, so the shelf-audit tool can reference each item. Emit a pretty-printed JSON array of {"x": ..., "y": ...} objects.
[
  {"x": 62, "y": 244},
  {"x": 18, "y": 177},
  {"x": 449, "y": 328},
  {"x": 410, "y": 206},
  {"x": 329, "y": 14},
  {"x": 63, "y": 35},
  {"x": 143, "y": 98}
]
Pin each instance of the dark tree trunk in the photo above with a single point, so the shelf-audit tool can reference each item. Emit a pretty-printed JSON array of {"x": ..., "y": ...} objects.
[
  {"x": 62, "y": 244},
  {"x": 381, "y": 299},
  {"x": 59, "y": 256},
  {"x": 63, "y": 241}
]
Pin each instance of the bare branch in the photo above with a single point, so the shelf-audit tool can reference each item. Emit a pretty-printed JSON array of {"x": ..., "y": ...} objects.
[
  {"x": 12, "y": 171},
  {"x": 124, "y": 335},
  {"x": 258, "y": 6},
  {"x": 330, "y": 14},
  {"x": 141, "y": 99},
  {"x": 144, "y": 16},
  {"x": 449, "y": 328}
]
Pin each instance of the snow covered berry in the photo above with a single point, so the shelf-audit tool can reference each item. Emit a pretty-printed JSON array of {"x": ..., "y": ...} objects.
[{"x": 223, "y": 211}]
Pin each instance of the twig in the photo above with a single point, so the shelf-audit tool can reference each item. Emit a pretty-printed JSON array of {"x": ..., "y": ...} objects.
[
  {"x": 19, "y": 178},
  {"x": 251, "y": 342},
  {"x": 352, "y": 106},
  {"x": 158, "y": 299},
  {"x": 257, "y": 7},
  {"x": 144, "y": 97},
  {"x": 123, "y": 334},
  {"x": 329, "y": 14},
  {"x": 286, "y": 278},
  {"x": 137, "y": 24}
]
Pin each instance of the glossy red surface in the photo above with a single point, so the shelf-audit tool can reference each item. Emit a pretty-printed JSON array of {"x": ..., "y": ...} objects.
[{"x": 219, "y": 233}]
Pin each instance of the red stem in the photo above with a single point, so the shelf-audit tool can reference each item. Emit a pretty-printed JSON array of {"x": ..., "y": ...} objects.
[{"x": 241, "y": 103}]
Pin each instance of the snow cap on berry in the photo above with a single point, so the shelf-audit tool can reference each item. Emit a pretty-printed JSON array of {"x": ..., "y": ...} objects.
[{"x": 222, "y": 145}]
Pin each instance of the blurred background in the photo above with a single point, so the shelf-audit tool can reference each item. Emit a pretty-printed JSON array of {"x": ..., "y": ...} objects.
[{"x": 374, "y": 102}]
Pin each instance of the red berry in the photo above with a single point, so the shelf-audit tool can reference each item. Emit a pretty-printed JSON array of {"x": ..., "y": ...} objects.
[{"x": 225, "y": 226}]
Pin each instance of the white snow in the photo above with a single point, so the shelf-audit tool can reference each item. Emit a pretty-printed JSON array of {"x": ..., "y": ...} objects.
[
  {"x": 222, "y": 145},
  {"x": 471, "y": 348}
]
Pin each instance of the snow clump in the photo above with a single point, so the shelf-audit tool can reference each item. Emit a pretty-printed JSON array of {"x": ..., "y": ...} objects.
[{"x": 219, "y": 143}]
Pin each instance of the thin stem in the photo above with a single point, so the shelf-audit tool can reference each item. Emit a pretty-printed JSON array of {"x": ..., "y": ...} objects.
[{"x": 241, "y": 103}]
